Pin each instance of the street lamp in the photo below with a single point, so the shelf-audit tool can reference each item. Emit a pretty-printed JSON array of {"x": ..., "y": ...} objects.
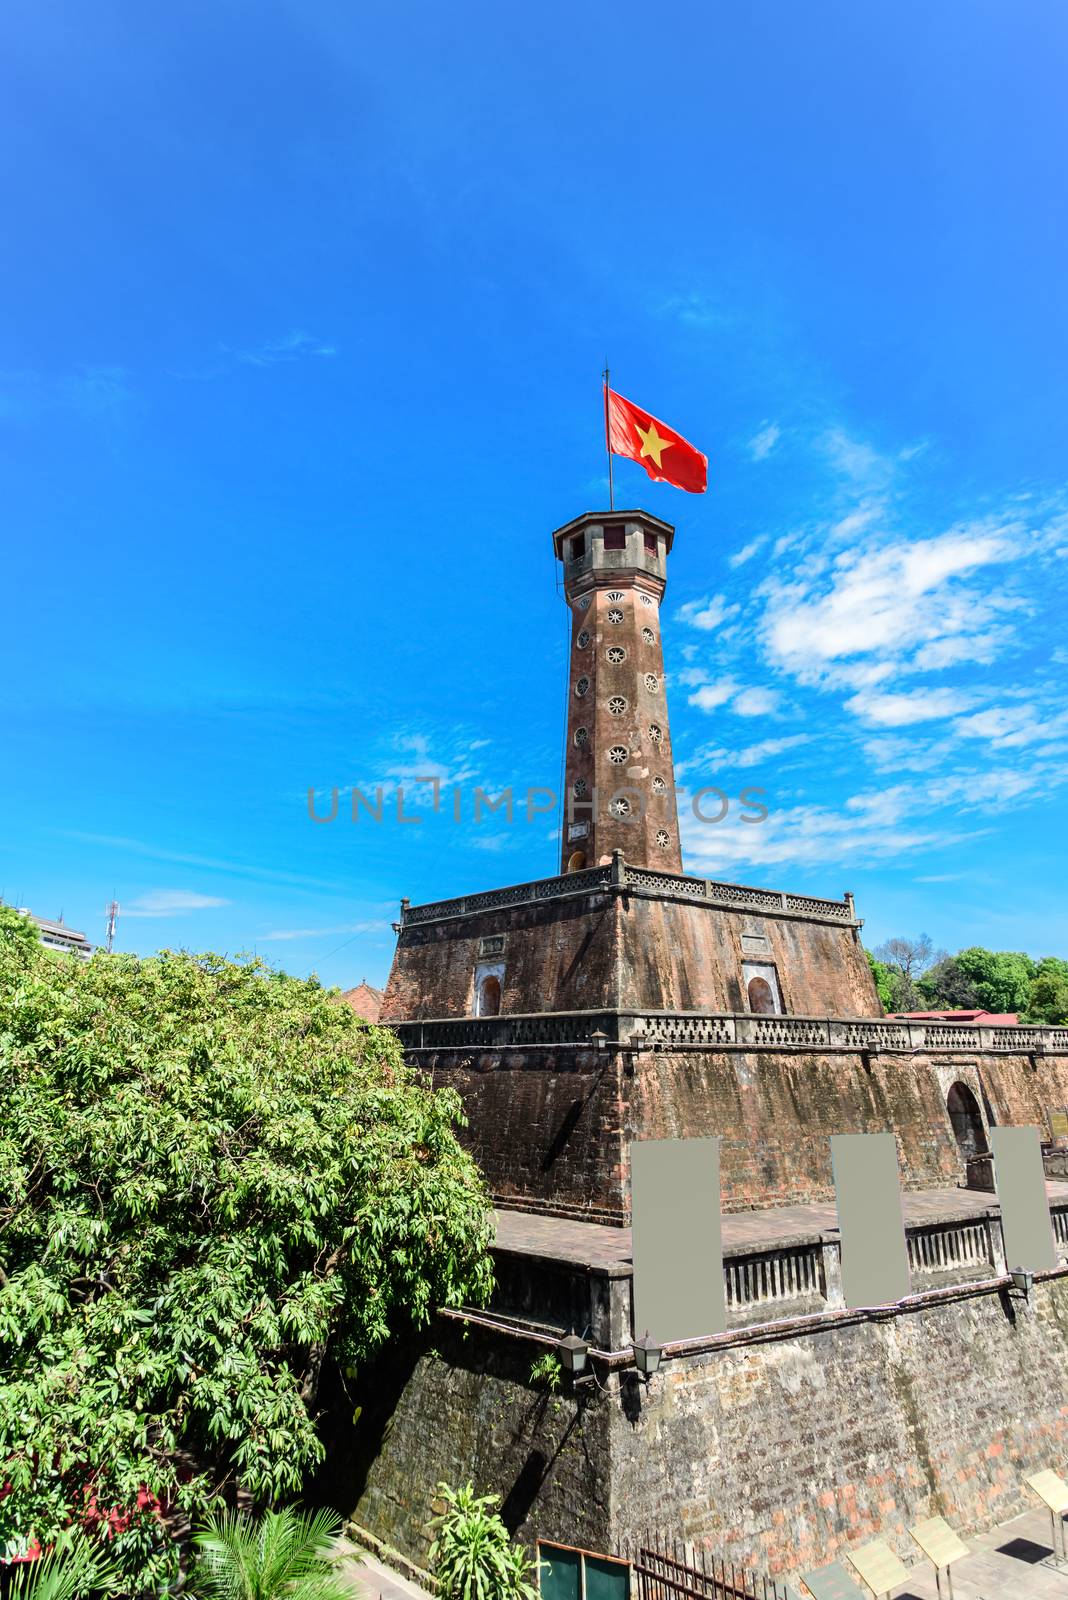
[
  {"x": 573, "y": 1353},
  {"x": 1021, "y": 1280},
  {"x": 599, "y": 1040},
  {"x": 646, "y": 1356}
]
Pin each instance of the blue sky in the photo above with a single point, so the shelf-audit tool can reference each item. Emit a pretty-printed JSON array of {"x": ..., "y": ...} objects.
[{"x": 306, "y": 307}]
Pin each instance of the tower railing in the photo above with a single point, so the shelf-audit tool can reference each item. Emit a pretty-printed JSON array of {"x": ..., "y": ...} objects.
[{"x": 621, "y": 877}]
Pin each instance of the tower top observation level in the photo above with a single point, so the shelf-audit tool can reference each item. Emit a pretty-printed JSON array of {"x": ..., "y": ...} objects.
[{"x": 626, "y": 545}]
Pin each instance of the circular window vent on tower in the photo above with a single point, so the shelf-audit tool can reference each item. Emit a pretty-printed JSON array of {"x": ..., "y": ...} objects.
[
  {"x": 652, "y": 682},
  {"x": 582, "y": 686},
  {"x": 656, "y": 732},
  {"x": 620, "y": 806},
  {"x": 614, "y": 594},
  {"x": 659, "y": 786},
  {"x": 617, "y": 705},
  {"x": 617, "y": 755},
  {"x": 662, "y": 839},
  {"x": 579, "y": 788},
  {"x": 582, "y": 737},
  {"x": 615, "y": 615},
  {"x": 616, "y": 654},
  {"x": 583, "y": 639},
  {"x": 648, "y": 635},
  {"x": 647, "y": 600},
  {"x": 584, "y": 602}
]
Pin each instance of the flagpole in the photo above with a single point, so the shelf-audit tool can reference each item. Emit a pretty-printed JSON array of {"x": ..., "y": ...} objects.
[{"x": 608, "y": 441}]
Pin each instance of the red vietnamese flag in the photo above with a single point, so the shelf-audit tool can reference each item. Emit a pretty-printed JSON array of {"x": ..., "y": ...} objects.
[{"x": 666, "y": 456}]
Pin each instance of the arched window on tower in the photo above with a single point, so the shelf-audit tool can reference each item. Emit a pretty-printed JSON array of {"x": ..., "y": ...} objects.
[
  {"x": 762, "y": 993},
  {"x": 489, "y": 978},
  {"x": 489, "y": 997},
  {"x": 967, "y": 1120},
  {"x": 576, "y": 861},
  {"x": 761, "y": 997}
]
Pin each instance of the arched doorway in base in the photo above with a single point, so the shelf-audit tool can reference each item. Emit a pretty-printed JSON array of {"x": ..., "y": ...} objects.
[
  {"x": 576, "y": 861},
  {"x": 967, "y": 1120}
]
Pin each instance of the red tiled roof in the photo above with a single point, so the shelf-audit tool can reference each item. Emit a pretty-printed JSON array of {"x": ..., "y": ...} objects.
[
  {"x": 983, "y": 1019},
  {"x": 365, "y": 1000}
]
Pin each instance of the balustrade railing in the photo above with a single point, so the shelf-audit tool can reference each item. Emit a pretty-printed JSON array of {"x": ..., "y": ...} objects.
[
  {"x": 767, "y": 1286},
  {"x": 682, "y": 1030},
  {"x": 623, "y": 878}
]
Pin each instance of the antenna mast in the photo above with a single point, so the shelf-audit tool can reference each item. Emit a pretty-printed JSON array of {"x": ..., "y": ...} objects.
[{"x": 111, "y": 911}]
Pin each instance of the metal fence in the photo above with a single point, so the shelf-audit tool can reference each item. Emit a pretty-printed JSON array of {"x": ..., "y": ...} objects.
[{"x": 667, "y": 1569}]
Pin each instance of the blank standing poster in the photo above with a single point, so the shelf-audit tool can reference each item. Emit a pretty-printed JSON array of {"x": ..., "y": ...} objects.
[
  {"x": 875, "y": 1263},
  {"x": 1021, "y": 1187},
  {"x": 677, "y": 1238}
]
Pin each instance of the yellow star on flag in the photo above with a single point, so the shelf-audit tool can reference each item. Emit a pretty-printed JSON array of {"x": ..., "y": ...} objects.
[{"x": 652, "y": 444}]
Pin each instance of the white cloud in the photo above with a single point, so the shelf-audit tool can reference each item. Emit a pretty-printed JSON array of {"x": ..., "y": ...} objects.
[
  {"x": 882, "y": 599},
  {"x": 290, "y": 347},
  {"x": 763, "y": 443},
  {"x": 707, "y": 614},
  {"x": 747, "y": 552},
  {"x": 169, "y": 903},
  {"x": 749, "y": 756},
  {"x": 855, "y": 459},
  {"x": 898, "y": 710},
  {"x": 712, "y": 695},
  {"x": 758, "y": 702},
  {"x": 1006, "y": 727}
]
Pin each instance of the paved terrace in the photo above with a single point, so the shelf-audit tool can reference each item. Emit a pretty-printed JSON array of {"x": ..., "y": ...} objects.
[{"x": 593, "y": 1244}]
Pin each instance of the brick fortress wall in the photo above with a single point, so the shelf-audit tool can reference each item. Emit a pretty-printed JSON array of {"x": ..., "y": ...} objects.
[{"x": 550, "y": 1129}]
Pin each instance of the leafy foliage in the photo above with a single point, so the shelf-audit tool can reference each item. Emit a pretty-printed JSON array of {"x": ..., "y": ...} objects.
[
  {"x": 472, "y": 1555},
  {"x": 1047, "y": 1000},
  {"x": 73, "y": 1570},
  {"x": 999, "y": 980},
  {"x": 884, "y": 983},
  {"x": 283, "y": 1555},
  {"x": 546, "y": 1370},
  {"x": 212, "y": 1177}
]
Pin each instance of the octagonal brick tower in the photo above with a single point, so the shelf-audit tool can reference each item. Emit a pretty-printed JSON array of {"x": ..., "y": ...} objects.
[{"x": 619, "y": 791}]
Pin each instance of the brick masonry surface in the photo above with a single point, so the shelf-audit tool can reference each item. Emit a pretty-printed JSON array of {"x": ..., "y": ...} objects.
[
  {"x": 626, "y": 950},
  {"x": 778, "y": 1455},
  {"x": 551, "y": 1129}
]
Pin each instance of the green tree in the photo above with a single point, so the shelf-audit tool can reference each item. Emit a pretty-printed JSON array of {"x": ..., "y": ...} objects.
[
  {"x": 214, "y": 1178},
  {"x": 903, "y": 962},
  {"x": 472, "y": 1555},
  {"x": 283, "y": 1555},
  {"x": 1001, "y": 979},
  {"x": 946, "y": 988},
  {"x": 884, "y": 982},
  {"x": 1047, "y": 999}
]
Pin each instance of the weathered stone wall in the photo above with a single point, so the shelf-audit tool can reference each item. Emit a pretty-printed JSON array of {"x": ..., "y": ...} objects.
[
  {"x": 778, "y": 1455},
  {"x": 776, "y": 1110},
  {"x": 783, "y": 1454},
  {"x": 550, "y": 1129},
  {"x": 560, "y": 955},
  {"x": 582, "y": 953},
  {"x": 466, "y": 1411},
  {"x": 679, "y": 957},
  {"x": 546, "y": 1128}
]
